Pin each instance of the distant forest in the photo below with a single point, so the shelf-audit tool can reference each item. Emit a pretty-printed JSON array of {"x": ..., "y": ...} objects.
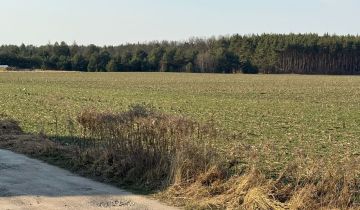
[{"x": 266, "y": 53}]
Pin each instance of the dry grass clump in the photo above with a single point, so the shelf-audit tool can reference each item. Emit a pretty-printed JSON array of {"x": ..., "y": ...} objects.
[
  {"x": 145, "y": 147},
  {"x": 299, "y": 186}
]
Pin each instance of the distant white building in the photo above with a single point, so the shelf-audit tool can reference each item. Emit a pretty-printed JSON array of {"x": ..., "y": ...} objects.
[{"x": 4, "y": 66}]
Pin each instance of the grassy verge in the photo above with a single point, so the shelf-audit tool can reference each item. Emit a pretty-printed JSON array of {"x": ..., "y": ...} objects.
[{"x": 182, "y": 162}]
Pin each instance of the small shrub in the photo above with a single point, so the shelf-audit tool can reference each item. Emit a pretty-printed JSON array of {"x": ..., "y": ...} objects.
[{"x": 144, "y": 146}]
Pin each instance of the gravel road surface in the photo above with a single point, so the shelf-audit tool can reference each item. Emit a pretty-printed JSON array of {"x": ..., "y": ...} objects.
[{"x": 28, "y": 184}]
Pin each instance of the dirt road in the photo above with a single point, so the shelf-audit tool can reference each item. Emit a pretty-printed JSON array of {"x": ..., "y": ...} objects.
[{"x": 29, "y": 184}]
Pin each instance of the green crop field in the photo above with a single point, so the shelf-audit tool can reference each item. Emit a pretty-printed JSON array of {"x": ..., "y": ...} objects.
[
  {"x": 286, "y": 140},
  {"x": 290, "y": 114}
]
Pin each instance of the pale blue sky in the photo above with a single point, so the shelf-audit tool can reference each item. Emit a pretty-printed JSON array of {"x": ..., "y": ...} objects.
[{"x": 105, "y": 22}]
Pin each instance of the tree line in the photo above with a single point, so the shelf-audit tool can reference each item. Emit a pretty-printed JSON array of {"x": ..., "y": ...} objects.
[{"x": 266, "y": 53}]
